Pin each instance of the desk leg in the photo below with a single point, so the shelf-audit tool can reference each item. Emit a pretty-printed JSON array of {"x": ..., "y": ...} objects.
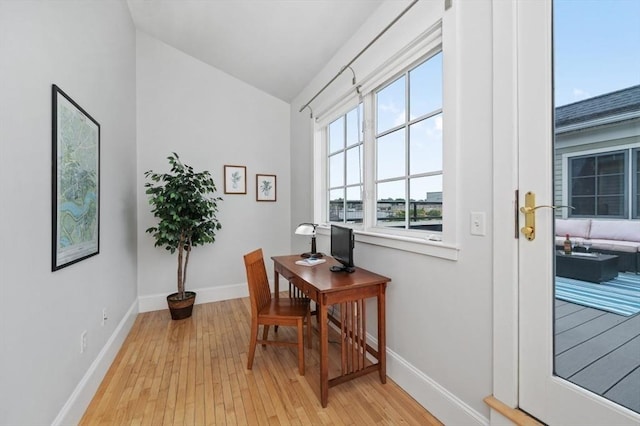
[
  {"x": 276, "y": 290},
  {"x": 276, "y": 284},
  {"x": 382, "y": 334},
  {"x": 324, "y": 352}
]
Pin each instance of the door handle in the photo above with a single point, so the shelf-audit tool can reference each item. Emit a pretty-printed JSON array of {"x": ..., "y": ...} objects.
[{"x": 529, "y": 210}]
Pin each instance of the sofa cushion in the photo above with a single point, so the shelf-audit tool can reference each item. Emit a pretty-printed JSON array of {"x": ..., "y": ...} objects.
[
  {"x": 573, "y": 227},
  {"x": 614, "y": 245},
  {"x": 620, "y": 230}
]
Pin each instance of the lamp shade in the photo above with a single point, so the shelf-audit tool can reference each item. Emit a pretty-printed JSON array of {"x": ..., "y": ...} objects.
[{"x": 306, "y": 229}]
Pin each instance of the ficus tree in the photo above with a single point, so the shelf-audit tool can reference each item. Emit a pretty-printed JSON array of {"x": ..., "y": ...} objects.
[{"x": 184, "y": 203}]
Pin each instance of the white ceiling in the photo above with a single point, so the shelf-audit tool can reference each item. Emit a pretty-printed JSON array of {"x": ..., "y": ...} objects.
[{"x": 277, "y": 46}]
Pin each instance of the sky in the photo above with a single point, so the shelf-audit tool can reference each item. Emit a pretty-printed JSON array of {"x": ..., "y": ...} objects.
[
  {"x": 596, "y": 47},
  {"x": 596, "y": 51}
]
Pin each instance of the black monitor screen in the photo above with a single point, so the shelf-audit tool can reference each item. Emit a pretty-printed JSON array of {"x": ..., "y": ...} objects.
[{"x": 342, "y": 247}]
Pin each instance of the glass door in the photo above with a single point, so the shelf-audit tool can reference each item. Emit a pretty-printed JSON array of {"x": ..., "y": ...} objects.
[{"x": 578, "y": 133}]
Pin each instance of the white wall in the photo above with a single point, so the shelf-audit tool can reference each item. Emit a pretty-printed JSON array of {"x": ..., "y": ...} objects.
[
  {"x": 88, "y": 50},
  {"x": 439, "y": 312},
  {"x": 210, "y": 119}
]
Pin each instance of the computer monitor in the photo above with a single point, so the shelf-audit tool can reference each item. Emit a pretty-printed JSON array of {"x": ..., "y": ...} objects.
[{"x": 342, "y": 243}]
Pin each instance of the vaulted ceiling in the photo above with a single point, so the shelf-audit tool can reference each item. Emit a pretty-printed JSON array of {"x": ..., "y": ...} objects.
[{"x": 274, "y": 45}]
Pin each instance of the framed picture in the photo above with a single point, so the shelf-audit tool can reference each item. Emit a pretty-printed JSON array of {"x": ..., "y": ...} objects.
[
  {"x": 235, "y": 180},
  {"x": 75, "y": 211},
  {"x": 265, "y": 187}
]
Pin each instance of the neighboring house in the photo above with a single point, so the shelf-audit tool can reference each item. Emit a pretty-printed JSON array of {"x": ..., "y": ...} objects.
[{"x": 597, "y": 156}]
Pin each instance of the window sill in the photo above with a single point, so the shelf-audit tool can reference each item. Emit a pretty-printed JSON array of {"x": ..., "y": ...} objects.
[{"x": 411, "y": 244}]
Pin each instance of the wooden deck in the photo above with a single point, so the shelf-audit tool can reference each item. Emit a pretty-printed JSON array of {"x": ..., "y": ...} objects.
[{"x": 599, "y": 351}]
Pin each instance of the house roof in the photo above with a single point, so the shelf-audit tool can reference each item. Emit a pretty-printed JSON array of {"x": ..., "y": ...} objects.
[{"x": 617, "y": 103}]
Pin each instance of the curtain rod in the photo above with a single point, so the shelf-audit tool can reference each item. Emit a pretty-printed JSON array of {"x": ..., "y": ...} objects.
[{"x": 358, "y": 55}]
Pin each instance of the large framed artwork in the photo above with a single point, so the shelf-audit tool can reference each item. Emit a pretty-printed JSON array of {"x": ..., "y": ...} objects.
[{"x": 75, "y": 182}]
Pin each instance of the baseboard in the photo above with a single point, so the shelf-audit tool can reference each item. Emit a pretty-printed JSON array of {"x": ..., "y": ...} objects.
[
  {"x": 157, "y": 302},
  {"x": 77, "y": 404},
  {"x": 444, "y": 405}
]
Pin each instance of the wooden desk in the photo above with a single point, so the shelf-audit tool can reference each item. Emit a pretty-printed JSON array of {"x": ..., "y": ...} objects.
[{"x": 349, "y": 290}]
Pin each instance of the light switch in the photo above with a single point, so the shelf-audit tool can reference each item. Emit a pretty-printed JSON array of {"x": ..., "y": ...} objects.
[{"x": 478, "y": 226}]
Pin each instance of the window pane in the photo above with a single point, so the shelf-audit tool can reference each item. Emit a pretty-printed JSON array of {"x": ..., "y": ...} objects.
[
  {"x": 354, "y": 204},
  {"x": 391, "y": 203},
  {"x": 352, "y": 127},
  {"x": 390, "y": 105},
  {"x": 584, "y": 206},
  {"x": 425, "y": 86},
  {"x": 425, "y": 145},
  {"x": 354, "y": 165},
  {"x": 608, "y": 164},
  {"x": 336, "y": 135},
  {"x": 583, "y": 167},
  {"x": 336, "y": 170},
  {"x": 583, "y": 186},
  {"x": 336, "y": 205},
  {"x": 391, "y": 155},
  {"x": 611, "y": 185},
  {"x": 610, "y": 206},
  {"x": 425, "y": 206}
]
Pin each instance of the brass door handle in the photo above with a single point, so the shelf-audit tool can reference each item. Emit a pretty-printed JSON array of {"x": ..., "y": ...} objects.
[{"x": 529, "y": 210}]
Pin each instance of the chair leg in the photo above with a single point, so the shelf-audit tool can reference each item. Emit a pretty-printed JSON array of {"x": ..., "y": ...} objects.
[
  {"x": 265, "y": 334},
  {"x": 301, "y": 347},
  {"x": 252, "y": 344}
]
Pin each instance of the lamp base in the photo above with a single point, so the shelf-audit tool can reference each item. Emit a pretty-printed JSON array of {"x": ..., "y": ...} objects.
[{"x": 312, "y": 255}]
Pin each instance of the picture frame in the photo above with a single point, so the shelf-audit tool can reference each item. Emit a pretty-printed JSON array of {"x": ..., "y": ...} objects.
[
  {"x": 266, "y": 188},
  {"x": 75, "y": 188},
  {"x": 235, "y": 179}
]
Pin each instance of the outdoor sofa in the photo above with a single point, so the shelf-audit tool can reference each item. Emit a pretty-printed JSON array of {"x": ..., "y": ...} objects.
[{"x": 618, "y": 237}]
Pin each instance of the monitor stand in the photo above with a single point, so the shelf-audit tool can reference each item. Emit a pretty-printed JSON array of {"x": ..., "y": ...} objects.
[{"x": 347, "y": 269}]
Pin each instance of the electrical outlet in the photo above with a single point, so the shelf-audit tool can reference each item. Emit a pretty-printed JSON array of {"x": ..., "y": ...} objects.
[
  {"x": 104, "y": 316},
  {"x": 83, "y": 342}
]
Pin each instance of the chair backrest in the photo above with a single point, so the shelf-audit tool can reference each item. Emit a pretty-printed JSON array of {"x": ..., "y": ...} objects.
[{"x": 259, "y": 291}]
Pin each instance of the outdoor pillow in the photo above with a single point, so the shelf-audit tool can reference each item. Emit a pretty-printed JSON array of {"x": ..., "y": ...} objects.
[
  {"x": 573, "y": 227},
  {"x": 621, "y": 230}
]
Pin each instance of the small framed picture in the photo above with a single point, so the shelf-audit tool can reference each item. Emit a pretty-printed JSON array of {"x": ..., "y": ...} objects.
[
  {"x": 265, "y": 187},
  {"x": 235, "y": 179}
]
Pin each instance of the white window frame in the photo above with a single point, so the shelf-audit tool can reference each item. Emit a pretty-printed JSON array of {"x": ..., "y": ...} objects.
[
  {"x": 630, "y": 149},
  {"x": 438, "y": 244}
]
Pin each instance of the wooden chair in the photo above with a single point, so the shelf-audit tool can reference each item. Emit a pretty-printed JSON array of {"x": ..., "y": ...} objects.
[{"x": 267, "y": 311}]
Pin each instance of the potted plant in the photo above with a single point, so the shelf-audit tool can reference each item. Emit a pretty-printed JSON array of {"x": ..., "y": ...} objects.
[{"x": 185, "y": 207}]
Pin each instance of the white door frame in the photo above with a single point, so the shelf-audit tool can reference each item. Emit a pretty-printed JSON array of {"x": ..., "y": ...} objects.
[{"x": 523, "y": 305}]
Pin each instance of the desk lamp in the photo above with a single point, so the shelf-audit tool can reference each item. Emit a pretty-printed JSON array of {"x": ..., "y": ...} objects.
[{"x": 309, "y": 229}]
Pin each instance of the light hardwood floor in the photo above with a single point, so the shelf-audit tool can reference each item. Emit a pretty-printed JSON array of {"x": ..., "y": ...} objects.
[{"x": 193, "y": 372}]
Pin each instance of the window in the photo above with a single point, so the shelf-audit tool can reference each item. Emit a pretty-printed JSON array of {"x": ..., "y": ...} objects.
[
  {"x": 345, "y": 167},
  {"x": 406, "y": 154},
  {"x": 409, "y": 149},
  {"x": 605, "y": 184},
  {"x": 636, "y": 184},
  {"x": 381, "y": 162}
]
